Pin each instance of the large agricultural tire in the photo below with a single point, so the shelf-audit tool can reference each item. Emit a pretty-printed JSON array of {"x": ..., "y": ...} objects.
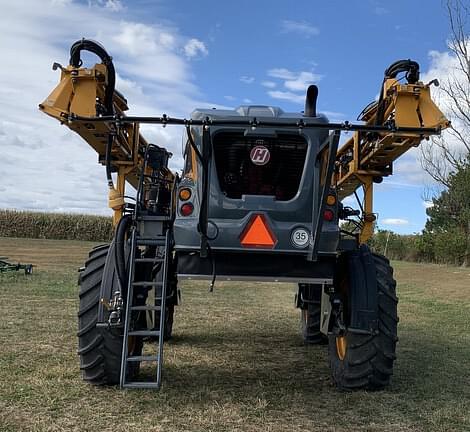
[
  {"x": 310, "y": 318},
  {"x": 365, "y": 361},
  {"x": 169, "y": 316},
  {"x": 99, "y": 348}
]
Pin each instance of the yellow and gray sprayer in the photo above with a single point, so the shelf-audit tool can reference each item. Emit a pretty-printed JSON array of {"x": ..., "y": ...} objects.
[{"x": 260, "y": 198}]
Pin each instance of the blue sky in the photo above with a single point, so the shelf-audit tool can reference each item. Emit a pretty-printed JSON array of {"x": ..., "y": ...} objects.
[{"x": 174, "y": 56}]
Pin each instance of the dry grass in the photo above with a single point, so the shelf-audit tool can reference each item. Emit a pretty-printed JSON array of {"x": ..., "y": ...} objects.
[{"x": 236, "y": 363}]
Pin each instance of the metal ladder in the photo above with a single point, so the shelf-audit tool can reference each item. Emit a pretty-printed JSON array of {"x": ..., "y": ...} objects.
[
  {"x": 161, "y": 239},
  {"x": 159, "y": 305}
]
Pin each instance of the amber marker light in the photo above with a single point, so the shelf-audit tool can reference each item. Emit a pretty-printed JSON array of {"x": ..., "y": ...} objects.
[
  {"x": 331, "y": 200},
  {"x": 184, "y": 194}
]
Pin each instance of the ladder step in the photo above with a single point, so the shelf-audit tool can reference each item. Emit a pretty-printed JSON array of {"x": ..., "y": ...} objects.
[
  {"x": 149, "y": 260},
  {"x": 146, "y": 308},
  {"x": 137, "y": 384},
  {"x": 153, "y": 218},
  {"x": 147, "y": 283},
  {"x": 142, "y": 358},
  {"x": 150, "y": 242},
  {"x": 144, "y": 333}
]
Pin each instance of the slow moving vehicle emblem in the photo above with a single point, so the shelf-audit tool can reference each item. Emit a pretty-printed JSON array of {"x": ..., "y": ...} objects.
[{"x": 260, "y": 155}]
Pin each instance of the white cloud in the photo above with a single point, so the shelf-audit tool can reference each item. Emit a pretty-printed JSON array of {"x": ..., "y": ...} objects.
[
  {"x": 268, "y": 84},
  {"x": 195, "y": 47},
  {"x": 288, "y": 96},
  {"x": 247, "y": 79},
  {"x": 395, "y": 221},
  {"x": 282, "y": 73},
  {"x": 302, "y": 81},
  {"x": 302, "y": 28},
  {"x": 293, "y": 81},
  {"x": 230, "y": 98},
  {"x": 44, "y": 165},
  {"x": 247, "y": 101},
  {"x": 111, "y": 5},
  {"x": 114, "y": 5}
]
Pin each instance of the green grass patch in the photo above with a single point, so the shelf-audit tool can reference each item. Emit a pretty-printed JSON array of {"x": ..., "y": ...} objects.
[{"x": 237, "y": 362}]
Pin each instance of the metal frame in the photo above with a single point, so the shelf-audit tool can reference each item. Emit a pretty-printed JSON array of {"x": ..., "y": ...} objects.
[
  {"x": 319, "y": 281},
  {"x": 253, "y": 122},
  {"x": 332, "y": 145}
]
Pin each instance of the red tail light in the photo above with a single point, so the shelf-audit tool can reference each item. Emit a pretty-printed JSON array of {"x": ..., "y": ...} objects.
[
  {"x": 186, "y": 209},
  {"x": 328, "y": 215}
]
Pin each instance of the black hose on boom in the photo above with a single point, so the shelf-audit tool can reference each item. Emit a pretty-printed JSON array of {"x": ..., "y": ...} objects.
[
  {"x": 106, "y": 59},
  {"x": 119, "y": 249},
  {"x": 412, "y": 76},
  {"x": 409, "y": 66}
]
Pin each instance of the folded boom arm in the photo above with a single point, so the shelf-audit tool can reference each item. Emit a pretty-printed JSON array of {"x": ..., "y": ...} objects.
[{"x": 85, "y": 101}]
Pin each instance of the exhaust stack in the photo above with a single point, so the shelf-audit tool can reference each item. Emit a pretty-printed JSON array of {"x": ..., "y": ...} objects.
[{"x": 311, "y": 101}]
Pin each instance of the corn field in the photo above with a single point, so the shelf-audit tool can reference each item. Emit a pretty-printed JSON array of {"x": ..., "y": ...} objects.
[{"x": 57, "y": 226}]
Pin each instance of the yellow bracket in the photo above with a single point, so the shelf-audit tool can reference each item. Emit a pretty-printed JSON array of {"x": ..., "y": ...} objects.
[{"x": 116, "y": 195}]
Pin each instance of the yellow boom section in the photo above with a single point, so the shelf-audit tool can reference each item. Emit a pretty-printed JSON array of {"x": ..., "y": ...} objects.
[
  {"x": 368, "y": 156},
  {"x": 80, "y": 92}
]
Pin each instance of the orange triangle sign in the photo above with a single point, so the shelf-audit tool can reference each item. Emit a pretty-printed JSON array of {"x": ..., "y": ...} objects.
[{"x": 257, "y": 233}]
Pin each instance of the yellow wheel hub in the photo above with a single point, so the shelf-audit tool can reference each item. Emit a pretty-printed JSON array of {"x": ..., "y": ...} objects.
[
  {"x": 305, "y": 315},
  {"x": 341, "y": 347}
]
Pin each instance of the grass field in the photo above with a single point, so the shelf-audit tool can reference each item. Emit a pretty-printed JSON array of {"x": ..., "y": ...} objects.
[{"x": 237, "y": 362}]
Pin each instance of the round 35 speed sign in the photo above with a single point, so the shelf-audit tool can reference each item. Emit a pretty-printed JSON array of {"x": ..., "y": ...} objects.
[{"x": 300, "y": 237}]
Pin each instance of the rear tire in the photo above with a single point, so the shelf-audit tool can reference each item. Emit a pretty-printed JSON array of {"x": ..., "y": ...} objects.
[
  {"x": 310, "y": 314},
  {"x": 99, "y": 349},
  {"x": 364, "y": 361},
  {"x": 169, "y": 316}
]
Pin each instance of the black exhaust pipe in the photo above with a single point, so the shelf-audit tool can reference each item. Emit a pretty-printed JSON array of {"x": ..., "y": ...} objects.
[{"x": 311, "y": 101}]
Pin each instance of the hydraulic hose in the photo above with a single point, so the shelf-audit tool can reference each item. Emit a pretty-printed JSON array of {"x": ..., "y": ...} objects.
[
  {"x": 119, "y": 250},
  {"x": 409, "y": 66},
  {"x": 412, "y": 76},
  {"x": 106, "y": 59}
]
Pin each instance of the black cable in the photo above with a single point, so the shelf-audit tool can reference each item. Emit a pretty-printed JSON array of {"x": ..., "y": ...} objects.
[
  {"x": 109, "y": 146},
  {"x": 359, "y": 202},
  {"x": 202, "y": 228},
  {"x": 193, "y": 144},
  {"x": 214, "y": 273}
]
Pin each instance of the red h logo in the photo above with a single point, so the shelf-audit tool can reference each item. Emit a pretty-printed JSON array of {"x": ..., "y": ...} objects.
[{"x": 260, "y": 155}]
